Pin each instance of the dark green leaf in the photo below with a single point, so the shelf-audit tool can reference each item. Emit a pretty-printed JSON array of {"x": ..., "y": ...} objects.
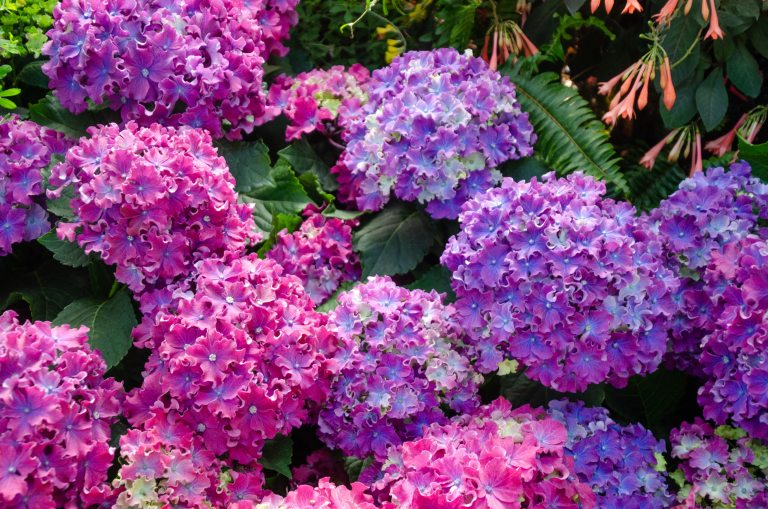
[
  {"x": 355, "y": 466},
  {"x": 303, "y": 159},
  {"x": 61, "y": 206},
  {"x": 332, "y": 211},
  {"x": 284, "y": 194},
  {"x": 756, "y": 156},
  {"x": 681, "y": 43},
  {"x": 314, "y": 190},
  {"x": 50, "y": 113},
  {"x": 249, "y": 163},
  {"x": 395, "y": 240},
  {"x": 519, "y": 390},
  {"x": 712, "y": 99},
  {"x": 280, "y": 222},
  {"x": 758, "y": 36},
  {"x": 277, "y": 455},
  {"x": 744, "y": 72},
  {"x": 333, "y": 301},
  {"x": 436, "y": 278},
  {"x": 574, "y": 5},
  {"x": 47, "y": 289},
  {"x": 524, "y": 169},
  {"x": 736, "y": 16},
  {"x": 110, "y": 323},
  {"x": 651, "y": 399},
  {"x": 682, "y": 111},
  {"x": 32, "y": 74},
  {"x": 65, "y": 252}
]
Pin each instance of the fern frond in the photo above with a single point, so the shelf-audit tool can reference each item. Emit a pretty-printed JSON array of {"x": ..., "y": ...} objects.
[
  {"x": 570, "y": 136},
  {"x": 649, "y": 187},
  {"x": 456, "y": 23}
]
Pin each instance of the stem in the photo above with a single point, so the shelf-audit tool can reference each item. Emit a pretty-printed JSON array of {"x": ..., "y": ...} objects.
[
  {"x": 114, "y": 289},
  {"x": 385, "y": 20},
  {"x": 688, "y": 51}
]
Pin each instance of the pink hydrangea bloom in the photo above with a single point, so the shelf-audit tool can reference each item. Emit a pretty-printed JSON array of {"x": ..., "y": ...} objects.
[
  {"x": 320, "y": 99},
  {"x": 325, "y": 495},
  {"x": 496, "y": 458},
  {"x": 404, "y": 357},
  {"x": 568, "y": 282},
  {"x": 194, "y": 62},
  {"x": 152, "y": 201},
  {"x": 56, "y": 409},
  {"x": 319, "y": 253},
  {"x": 734, "y": 356},
  {"x": 241, "y": 357},
  {"x": 25, "y": 150},
  {"x": 719, "y": 467}
]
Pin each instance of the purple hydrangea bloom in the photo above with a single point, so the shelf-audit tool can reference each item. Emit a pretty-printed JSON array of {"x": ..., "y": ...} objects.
[
  {"x": 25, "y": 150},
  {"x": 707, "y": 211},
  {"x": 152, "y": 201},
  {"x": 403, "y": 357},
  {"x": 319, "y": 253},
  {"x": 566, "y": 281},
  {"x": 735, "y": 354},
  {"x": 56, "y": 409},
  {"x": 622, "y": 464},
  {"x": 435, "y": 126},
  {"x": 194, "y": 62},
  {"x": 719, "y": 468},
  {"x": 321, "y": 100}
]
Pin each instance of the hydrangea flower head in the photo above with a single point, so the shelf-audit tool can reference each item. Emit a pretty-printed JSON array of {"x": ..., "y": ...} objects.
[
  {"x": 325, "y": 495},
  {"x": 196, "y": 63},
  {"x": 25, "y": 150},
  {"x": 496, "y": 458},
  {"x": 56, "y": 409},
  {"x": 707, "y": 211},
  {"x": 319, "y": 253},
  {"x": 734, "y": 355},
  {"x": 719, "y": 467},
  {"x": 403, "y": 358},
  {"x": 320, "y": 99},
  {"x": 567, "y": 282},
  {"x": 152, "y": 201},
  {"x": 435, "y": 126},
  {"x": 243, "y": 357},
  {"x": 620, "y": 463}
]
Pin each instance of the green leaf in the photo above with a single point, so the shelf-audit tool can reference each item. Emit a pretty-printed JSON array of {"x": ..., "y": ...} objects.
[
  {"x": 519, "y": 390},
  {"x": 756, "y": 156},
  {"x": 682, "y": 111},
  {"x": 284, "y": 194},
  {"x": 280, "y": 222},
  {"x": 7, "y": 103},
  {"x": 652, "y": 399},
  {"x": 744, "y": 72},
  {"x": 570, "y": 137},
  {"x": 50, "y": 113},
  {"x": 303, "y": 159},
  {"x": 681, "y": 42},
  {"x": 758, "y": 36},
  {"x": 712, "y": 99},
  {"x": 333, "y": 301},
  {"x": 32, "y": 75},
  {"x": 248, "y": 162},
  {"x": 277, "y": 455},
  {"x": 110, "y": 323},
  {"x": 395, "y": 240},
  {"x": 314, "y": 190},
  {"x": 524, "y": 169},
  {"x": 64, "y": 252},
  {"x": 46, "y": 289},
  {"x": 332, "y": 211},
  {"x": 437, "y": 278}
]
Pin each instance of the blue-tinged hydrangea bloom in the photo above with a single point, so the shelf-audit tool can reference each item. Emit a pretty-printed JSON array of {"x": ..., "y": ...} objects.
[
  {"x": 436, "y": 125},
  {"x": 568, "y": 282},
  {"x": 622, "y": 464},
  {"x": 707, "y": 211}
]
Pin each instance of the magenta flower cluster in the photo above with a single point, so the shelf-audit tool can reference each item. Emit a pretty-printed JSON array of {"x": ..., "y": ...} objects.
[
  {"x": 26, "y": 149},
  {"x": 496, "y": 458},
  {"x": 195, "y": 62},
  {"x": 319, "y": 100},
  {"x": 243, "y": 357},
  {"x": 319, "y": 253},
  {"x": 734, "y": 355},
  {"x": 436, "y": 125},
  {"x": 624, "y": 465},
  {"x": 720, "y": 467},
  {"x": 325, "y": 495},
  {"x": 152, "y": 201},
  {"x": 707, "y": 211},
  {"x": 403, "y": 357},
  {"x": 56, "y": 409},
  {"x": 567, "y": 282}
]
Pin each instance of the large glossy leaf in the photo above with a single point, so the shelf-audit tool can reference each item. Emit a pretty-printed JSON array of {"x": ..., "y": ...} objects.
[
  {"x": 756, "y": 156},
  {"x": 249, "y": 163},
  {"x": 277, "y": 455},
  {"x": 712, "y": 99},
  {"x": 64, "y": 252},
  {"x": 744, "y": 71},
  {"x": 304, "y": 159},
  {"x": 436, "y": 278},
  {"x": 283, "y": 194}
]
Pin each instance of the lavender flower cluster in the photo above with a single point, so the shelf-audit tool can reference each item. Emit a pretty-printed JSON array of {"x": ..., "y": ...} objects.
[
  {"x": 734, "y": 356},
  {"x": 624, "y": 465},
  {"x": 436, "y": 125},
  {"x": 319, "y": 253},
  {"x": 196, "y": 62},
  {"x": 707, "y": 211},
  {"x": 319, "y": 99},
  {"x": 243, "y": 357},
  {"x": 496, "y": 458},
  {"x": 26, "y": 149},
  {"x": 719, "y": 467},
  {"x": 56, "y": 409},
  {"x": 152, "y": 201},
  {"x": 403, "y": 357},
  {"x": 568, "y": 282}
]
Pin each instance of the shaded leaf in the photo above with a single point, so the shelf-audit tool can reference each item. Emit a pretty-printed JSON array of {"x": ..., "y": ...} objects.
[
  {"x": 756, "y": 156},
  {"x": 303, "y": 159},
  {"x": 64, "y": 252},
  {"x": 46, "y": 290},
  {"x": 437, "y": 278},
  {"x": 277, "y": 455},
  {"x": 32, "y": 74},
  {"x": 712, "y": 99},
  {"x": 50, "y": 113},
  {"x": 284, "y": 194},
  {"x": 333, "y": 301},
  {"x": 248, "y": 162},
  {"x": 519, "y": 390},
  {"x": 743, "y": 71},
  {"x": 651, "y": 399}
]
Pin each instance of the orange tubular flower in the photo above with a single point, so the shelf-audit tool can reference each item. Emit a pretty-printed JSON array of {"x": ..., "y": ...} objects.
[
  {"x": 709, "y": 12},
  {"x": 723, "y": 144},
  {"x": 666, "y": 12},
  {"x": 649, "y": 159}
]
